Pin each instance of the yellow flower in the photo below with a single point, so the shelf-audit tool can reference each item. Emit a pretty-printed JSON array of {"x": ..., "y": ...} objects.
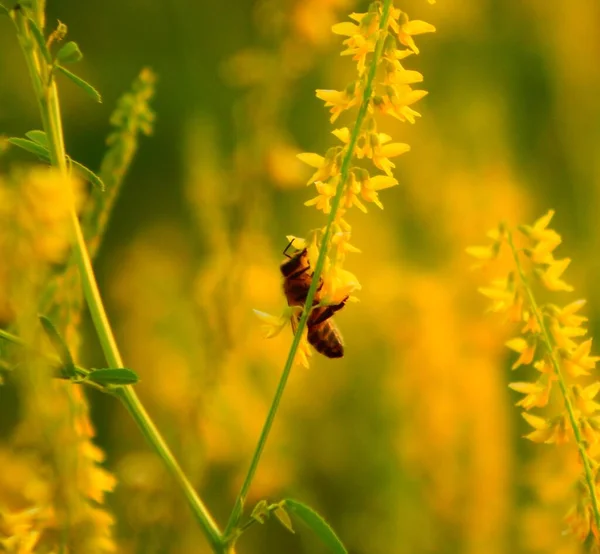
[
  {"x": 555, "y": 431},
  {"x": 579, "y": 362},
  {"x": 537, "y": 394},
  {"x": 583, "y": 398},
  {"x": 566, "y": 316},
  {"x": 563, "y": 335},
  {"x": 406, "y": 29},
  {"x": 551, "y": 277},
  {"x": 502, "y": 293},
  {"x": 326, "y": 166},
  {"x": 524, "y": 348},
  {"x": 397, "y": 101},
  {"x": 273, "y": 324},
  {"x": 339, "y": 100},
  {"x": 323, "y": 200}
]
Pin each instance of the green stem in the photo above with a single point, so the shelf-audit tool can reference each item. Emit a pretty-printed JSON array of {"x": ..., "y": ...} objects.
[
  {"x": 589, "y": 477},
  {"x": 344, "y": 172},
  {"x": 50, "y": 113}
]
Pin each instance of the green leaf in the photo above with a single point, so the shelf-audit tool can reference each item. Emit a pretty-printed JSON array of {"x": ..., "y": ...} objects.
[
  {"x": 39, "y": 137},
  {"x": 88, "y": 174},
  {"x": 39, "y": 38},
  {"x": 113, "y": 376},
  {"x": 69, "y": 53},
  {"x": 81, "y": 83},
  {"x": 317, "y": 524},
  {"x": 283, "y": 517},
  {"x": 68, "y": 368},
  {"x": 32, "y": 147}
]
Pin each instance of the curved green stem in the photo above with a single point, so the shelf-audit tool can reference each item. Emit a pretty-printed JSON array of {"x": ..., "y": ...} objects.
[
  {"x": 585, "y": 460},
  {"x": 47, "y": 96},
  {"x": 335, "y": 204}
]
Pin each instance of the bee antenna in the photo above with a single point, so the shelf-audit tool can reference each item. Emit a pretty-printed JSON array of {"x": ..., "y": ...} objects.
[{"x": 286, "y": 249}]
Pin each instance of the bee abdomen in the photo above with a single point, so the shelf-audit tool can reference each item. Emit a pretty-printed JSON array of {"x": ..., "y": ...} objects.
[{"x": 326, "y": 339}]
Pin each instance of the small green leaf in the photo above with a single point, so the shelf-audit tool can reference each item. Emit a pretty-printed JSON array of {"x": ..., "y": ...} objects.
[
  {"x": 81, "y": 83},
  {"x": 39, "y": 137},
  {"x": 283, "y": 517},
  {"x": 317, "y": 524},
  {"x": 113, "y": 376},
  {"x": 260, "y": 512},
  {"x": 88, "y": 174},
  {"x": 32, "y": 147},
  {"x": 68, "y": 367},
  {"x": 69, "y": 53},
  {"x": 39, "y": 38}
]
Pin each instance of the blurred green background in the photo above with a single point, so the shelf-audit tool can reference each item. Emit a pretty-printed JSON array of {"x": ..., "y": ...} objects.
[{"x": 410, "y": 443}]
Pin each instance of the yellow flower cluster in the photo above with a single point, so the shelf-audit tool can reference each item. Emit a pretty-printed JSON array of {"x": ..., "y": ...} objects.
[
  {"x": 377, "y": 40},
  {"x": 552, "y": 340}
]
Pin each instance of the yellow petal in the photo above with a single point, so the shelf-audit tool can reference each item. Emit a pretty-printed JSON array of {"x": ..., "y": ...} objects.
[{"x": 314, "y": 160}]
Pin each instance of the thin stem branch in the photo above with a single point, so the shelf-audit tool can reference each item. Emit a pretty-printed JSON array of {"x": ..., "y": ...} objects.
[
  {"x": 344, "y": 172},
  {"x": 589, "y": 477},
  {"x": 47, "y": 96}
]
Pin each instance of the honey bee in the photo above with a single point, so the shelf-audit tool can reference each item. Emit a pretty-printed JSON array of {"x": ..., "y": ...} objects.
[{"x": 322, "y": 331}]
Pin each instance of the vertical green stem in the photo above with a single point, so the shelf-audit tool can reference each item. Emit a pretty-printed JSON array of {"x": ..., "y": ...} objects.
[
  {"x": 587, "y": 469},
  {"x": 335, "y": 204},
  {"x": 47, "y": 96}
]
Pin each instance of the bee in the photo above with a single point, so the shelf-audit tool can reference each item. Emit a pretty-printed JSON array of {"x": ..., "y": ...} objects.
[{"x": 322, "y": 331}]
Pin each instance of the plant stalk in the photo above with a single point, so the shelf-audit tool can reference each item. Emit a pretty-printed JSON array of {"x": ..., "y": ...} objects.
[
  {"x": 344, "y": 172},
  {"x": 47, "y": 96}
]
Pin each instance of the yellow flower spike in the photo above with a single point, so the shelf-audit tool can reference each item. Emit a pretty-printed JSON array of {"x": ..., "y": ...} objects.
[
  {"x": 551, "y": 277},
  {"x": 524, "y": 348},
  {"x": 583, "y": 398}
]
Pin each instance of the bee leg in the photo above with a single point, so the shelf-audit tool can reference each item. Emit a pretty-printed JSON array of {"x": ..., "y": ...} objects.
[
  {"x": 286, "y": 249},
  {"x": 321, "y": 315}
]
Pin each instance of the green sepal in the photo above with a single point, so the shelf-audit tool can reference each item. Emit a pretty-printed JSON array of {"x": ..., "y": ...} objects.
[
  {"x": 68, "y": 367},
  {"x": 81, "y": 83},
  {"x": 317, "y": 524},
  {"x": 32, "y": 147},
  {"x": 283, "y": 517},
  {"x": 260, "y": 512},
  {"x": 38, "y": 35},
  {"x": 88, "y": 174},
  {"x": 69, "y": 53},
  {"x": 113, "y": 376},
  {"x": 39, "y": 137}
]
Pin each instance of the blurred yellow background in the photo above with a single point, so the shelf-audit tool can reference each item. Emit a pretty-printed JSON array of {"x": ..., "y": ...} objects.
[{"x": 410, "y": 443}]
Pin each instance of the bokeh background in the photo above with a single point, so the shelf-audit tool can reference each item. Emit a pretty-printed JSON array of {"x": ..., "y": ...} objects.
[{"x": 411, "y": 442}]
